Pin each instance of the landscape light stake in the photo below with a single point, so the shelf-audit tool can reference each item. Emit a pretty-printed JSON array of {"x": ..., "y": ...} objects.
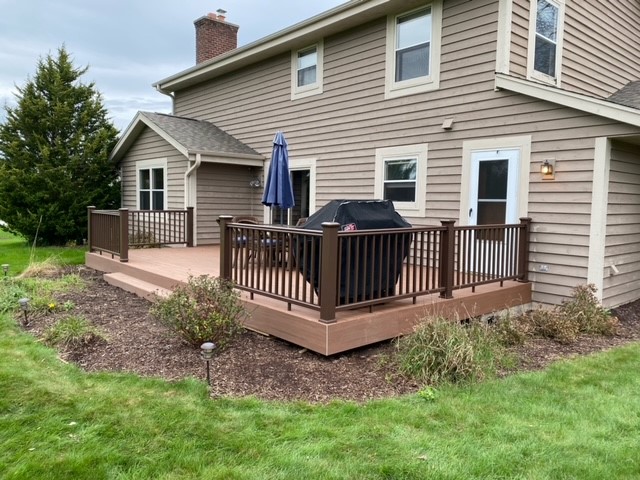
[
  {"x": 206, "y": 352},
  {"x": 5, "y": 269},
  {"x": 24, "y": 306}
]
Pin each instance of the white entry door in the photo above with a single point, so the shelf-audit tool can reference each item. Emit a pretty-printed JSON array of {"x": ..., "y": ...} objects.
[{"x": 493, "y": 200}]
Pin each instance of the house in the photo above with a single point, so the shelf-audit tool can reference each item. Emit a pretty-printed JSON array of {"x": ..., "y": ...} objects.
[{"x": 481, "y": 111}]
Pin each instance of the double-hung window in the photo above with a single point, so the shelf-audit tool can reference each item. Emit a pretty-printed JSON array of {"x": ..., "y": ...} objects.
[
  {"x": 545, "y": 42},
  {"x": 151, "y": 185},
  {"x": 400, "y": 176},
  {"x": 306, "y": 71},
  {"x": 413, "y": 51}
]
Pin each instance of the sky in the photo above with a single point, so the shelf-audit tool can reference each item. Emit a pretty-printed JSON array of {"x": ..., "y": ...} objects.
[{"x": 127, "y": 44}]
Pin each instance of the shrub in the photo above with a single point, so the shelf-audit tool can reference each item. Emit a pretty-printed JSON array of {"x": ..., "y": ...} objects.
[
  {"x": 73, "y": 331},
  {"x": 443, "y": 351},
  {"x": 206, "y": 309},
  {"x": 588, "y": 314},
  {"x": 511, "y": 330},
  {"x": 553, "y": 324}
]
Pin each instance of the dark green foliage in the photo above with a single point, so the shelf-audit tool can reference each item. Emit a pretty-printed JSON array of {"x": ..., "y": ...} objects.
[
  {"x": 207, "y": 309},
  {"x": 54, "y": 148}
]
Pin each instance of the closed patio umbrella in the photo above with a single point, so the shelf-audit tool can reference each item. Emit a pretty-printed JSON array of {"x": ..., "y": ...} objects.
[{"x": 278, "y": 191}]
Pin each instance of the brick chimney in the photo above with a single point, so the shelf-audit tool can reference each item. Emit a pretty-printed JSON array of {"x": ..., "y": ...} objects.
[{"x": 214, "y": 36}]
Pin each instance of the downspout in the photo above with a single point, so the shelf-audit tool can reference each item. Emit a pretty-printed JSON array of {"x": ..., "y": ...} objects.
[{"x": 187, "y": 194}]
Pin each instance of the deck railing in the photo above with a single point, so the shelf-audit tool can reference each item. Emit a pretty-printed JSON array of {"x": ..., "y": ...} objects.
[
  {"x": 114, "y": 231},
  {"x": 330, "y": 271}
]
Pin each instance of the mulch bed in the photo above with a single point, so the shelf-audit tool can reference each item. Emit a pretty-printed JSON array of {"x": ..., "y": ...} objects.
[{"x": 263, "y": 366}]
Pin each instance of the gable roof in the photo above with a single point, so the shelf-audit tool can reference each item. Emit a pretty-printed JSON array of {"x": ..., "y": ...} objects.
[
  {"x": 187, "y": 135},
  {"x": 341, "y": 18},
  {"x": 629, "y": 95}
]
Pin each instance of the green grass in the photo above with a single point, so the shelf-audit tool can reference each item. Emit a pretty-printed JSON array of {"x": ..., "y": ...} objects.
[
  {"x": 16, "y": 252},
  {"x": 579, "y": 419}
]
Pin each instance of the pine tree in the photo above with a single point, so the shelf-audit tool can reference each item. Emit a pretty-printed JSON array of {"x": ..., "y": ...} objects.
[{"x": 54, "y": 155}]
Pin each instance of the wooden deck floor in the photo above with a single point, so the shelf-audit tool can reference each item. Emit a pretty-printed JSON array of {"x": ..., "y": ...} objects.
[{"x": 166, "y": 267}]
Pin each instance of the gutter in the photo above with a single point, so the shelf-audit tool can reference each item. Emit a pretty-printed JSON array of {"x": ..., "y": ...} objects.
[{"x": 187, "y": 194}]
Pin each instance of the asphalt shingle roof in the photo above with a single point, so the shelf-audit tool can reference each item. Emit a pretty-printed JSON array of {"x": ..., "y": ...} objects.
[
  {"x": 199, "y": 135},
  {"x": 629, "y": 95}
]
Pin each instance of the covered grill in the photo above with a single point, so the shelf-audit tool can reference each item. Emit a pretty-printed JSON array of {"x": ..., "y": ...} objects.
[{"x": 370, "y": 265}]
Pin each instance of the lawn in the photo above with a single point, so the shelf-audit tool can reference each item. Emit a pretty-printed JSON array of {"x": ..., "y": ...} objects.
[
  {"x": 17, "y": 253},
  {"x": 578, "y": 419}
]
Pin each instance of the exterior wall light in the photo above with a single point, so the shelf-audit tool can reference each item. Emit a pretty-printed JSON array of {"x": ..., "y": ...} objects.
[
  {"x": 206, "y": 352},
  {"x": 5, "y": 268},
  {"x": 548, "y": 169},
  {"x": 24, "y": 306}
]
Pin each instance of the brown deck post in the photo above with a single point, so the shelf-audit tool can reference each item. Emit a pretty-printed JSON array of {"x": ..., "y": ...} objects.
[
  {"x": 189, "y": 226},
  {"x": 89, "y": 219},
  {"x": 225, "y": 246},
  {"x": 523, "y": 249},
  {"x": 124, "y": 235},
  {"x": 329, "y": 272},
  {"x": 446, "y": 265}
]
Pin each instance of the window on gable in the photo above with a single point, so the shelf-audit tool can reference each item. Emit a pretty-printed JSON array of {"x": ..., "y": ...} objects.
[
  {"x": 306, "y": 71},
  {"x": 413, "y": 51},
  {"x": 400, "y": 176},
  {"x": 151, "y": 188},
  {"x": 546, "y": 40}
]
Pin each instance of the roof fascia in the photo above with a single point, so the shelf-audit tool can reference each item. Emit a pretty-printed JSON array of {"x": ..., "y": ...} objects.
[
  {"x": 349, "y": 14},
  {"x": 134, "y": 130},
  {"x": 595, "y": 106}
]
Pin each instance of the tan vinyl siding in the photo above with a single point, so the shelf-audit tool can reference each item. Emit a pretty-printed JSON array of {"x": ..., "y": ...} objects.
[
  {"x": 343, "y": 127},
  {"x": 623, "y": 227},
  {"x": 601, "y": 49},
  {"x": 602, "y": 46},
  {"x": 150, "y": 146},
  {"x": 223, "y": 190}
]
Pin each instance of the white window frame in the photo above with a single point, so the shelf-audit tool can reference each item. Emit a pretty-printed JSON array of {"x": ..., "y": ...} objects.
[
  {"x": 533, "y": 15},
  {"x": 313, "y": 88},
  {"x": 413, "y": 86},
  {"x": 149, "y": 165},
  {"x": 417, "y": 151}
]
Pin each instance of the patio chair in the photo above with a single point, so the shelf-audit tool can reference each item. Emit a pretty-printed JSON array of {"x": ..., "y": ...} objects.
[{"x": 242, "y": 241}]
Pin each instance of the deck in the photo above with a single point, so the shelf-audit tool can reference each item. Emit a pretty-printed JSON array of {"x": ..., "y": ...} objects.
[{"x": 160, "y": 269}]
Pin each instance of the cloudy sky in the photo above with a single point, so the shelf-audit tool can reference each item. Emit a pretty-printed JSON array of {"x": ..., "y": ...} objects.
[{"x": 127, "y": 44}]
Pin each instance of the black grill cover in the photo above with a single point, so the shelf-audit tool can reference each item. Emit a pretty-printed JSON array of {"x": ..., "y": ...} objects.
[{"x": 361, "y": 215}]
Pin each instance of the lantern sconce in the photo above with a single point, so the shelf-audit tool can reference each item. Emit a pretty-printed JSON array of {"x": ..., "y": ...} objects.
[{"x": 548, "y": 169}]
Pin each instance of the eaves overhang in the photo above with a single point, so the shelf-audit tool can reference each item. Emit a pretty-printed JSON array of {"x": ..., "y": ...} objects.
[
  {"x": 338, "y": 19},
  {"x": 585, "y": 103}
]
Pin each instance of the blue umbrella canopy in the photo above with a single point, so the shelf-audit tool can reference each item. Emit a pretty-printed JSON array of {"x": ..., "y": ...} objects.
[{"x": 278, "y": 191}]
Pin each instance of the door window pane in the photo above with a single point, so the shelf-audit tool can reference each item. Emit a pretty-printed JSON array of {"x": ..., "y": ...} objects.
[
  {"x": 490, "y": 213},
  {"x": 492, "y": 179}
]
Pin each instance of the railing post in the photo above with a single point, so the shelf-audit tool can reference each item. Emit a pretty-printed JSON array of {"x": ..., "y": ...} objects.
[
  {"x": 89, "y": 230},
  {"x": 446, "y": 263},
  {"x": 523, "y": 249},
  {"x": 124, "y": 234},
  {"x": 189, "y": 226},
  {"x": 329, "y": 272},
  {"x": 225, "y": 246}
]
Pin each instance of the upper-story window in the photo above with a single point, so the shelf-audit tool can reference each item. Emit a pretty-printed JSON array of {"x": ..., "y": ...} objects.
[
  {"x": 306, "y": 71},
  {"x": 545, "y": 42},
  {"x": 151, "y": 185},
  {"x": 413, "y": 51}
]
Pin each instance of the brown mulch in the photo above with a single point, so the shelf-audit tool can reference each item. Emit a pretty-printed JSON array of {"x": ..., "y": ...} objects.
[{"x": 263, "y": 366}]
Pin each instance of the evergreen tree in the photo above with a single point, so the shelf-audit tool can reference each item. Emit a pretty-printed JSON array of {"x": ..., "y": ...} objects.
[{"x": 54, "y": 155}]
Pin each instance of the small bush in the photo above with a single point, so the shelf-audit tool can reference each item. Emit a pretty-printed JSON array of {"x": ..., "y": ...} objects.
[
  {"x": 586, "y": 311},
  {"x": 72, "y": 332},
  {"x": 442, "y": 351},
  {"x": 553, "y": 324},
  {"x": 207, "y": 309},
  {"x": 511, "y": 330}
]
